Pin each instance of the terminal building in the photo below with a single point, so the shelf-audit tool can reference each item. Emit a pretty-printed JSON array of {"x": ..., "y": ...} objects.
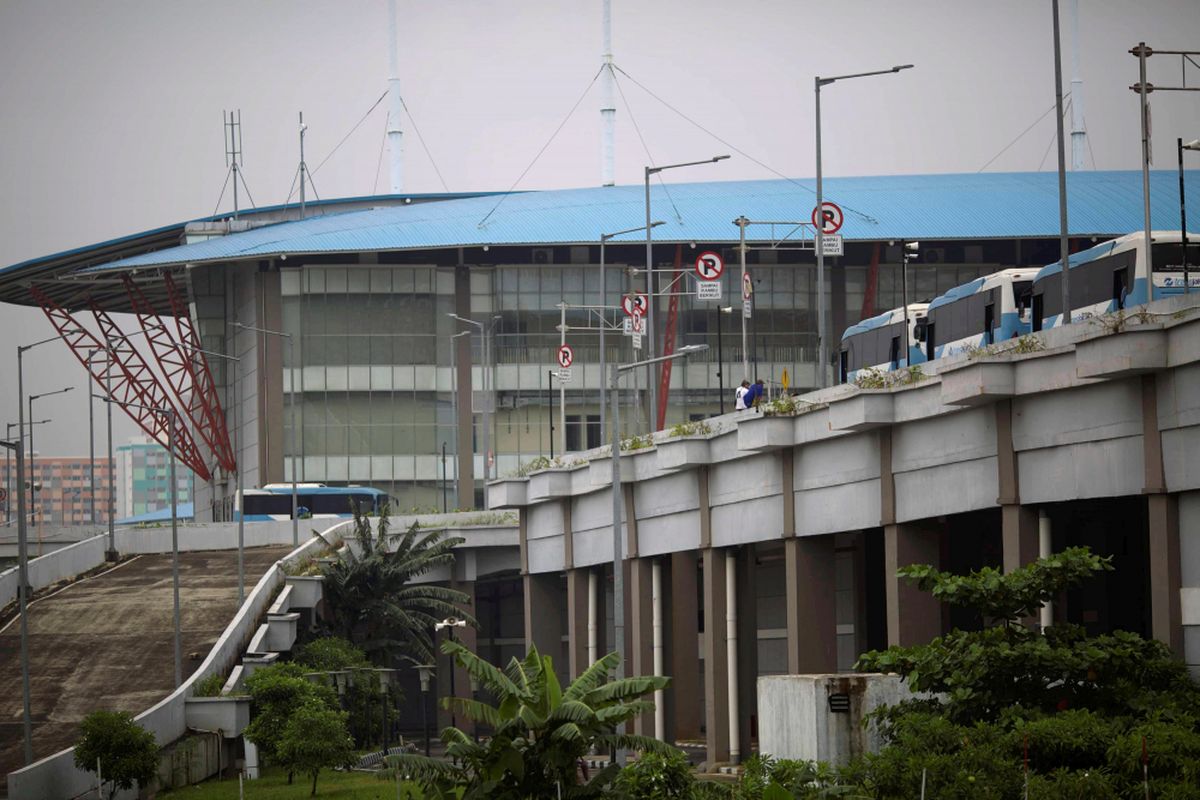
[
  {"x": 376, "y": 390},
  {"x": 777, "y": 538}
]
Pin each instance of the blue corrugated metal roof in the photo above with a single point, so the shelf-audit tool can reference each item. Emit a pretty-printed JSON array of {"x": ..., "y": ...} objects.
[
  {"x": 927, "y": 207},
  {"x": 183, "y": 511}
]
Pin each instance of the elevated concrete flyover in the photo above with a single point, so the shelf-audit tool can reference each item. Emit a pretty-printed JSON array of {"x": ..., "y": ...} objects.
[
  {"x": 775, "y": 539},
  {"x": 106, "y": 642}
]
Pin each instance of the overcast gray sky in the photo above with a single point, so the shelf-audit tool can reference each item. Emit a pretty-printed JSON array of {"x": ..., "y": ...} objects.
[{"x": 112, "y": 111}]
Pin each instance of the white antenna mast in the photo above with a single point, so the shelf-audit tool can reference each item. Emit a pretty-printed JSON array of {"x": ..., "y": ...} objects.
[
  {"x": 608, "y": 109},
  {"x": 233, "y": 150},
  {"x": 303, "y": 168},
  {"x": 1078, "y": 134},
  {"x": 395, "y": 135}
]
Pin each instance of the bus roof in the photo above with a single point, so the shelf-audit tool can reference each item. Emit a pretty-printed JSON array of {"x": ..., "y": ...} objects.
[{"x": 886, "y": 318}]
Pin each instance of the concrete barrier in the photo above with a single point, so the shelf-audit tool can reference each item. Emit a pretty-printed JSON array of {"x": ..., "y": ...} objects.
[
  {"x": 819, "y": 717},
  {"x": 56, "y": 777}
]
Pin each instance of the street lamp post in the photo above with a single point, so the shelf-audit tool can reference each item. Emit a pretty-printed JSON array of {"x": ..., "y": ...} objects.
[
  {"x": 618, "y": 546},
  {"x": 1192, "y": 145},
  {"x": 172, "y": 422},
  {"x": 33, "y": 509},
  {"x": 604, "y": 237},
  {"x": 822, "y": 338},
  {"x": 650, "y": 287},
  {"x": 91, "y": 443},
  {"x": 292, "y": 415},
  {"x": 721, "y": 310},
  {"x": 8, "y": 471},
  {"x": 425, "y": 673},
  {"x": 22, "y": 541},
  {"x": 237, "y": 441},
  {"x": 18, "y": 447},
  {"x": 458, "y": 489},
  {"x": 907, "y": 250},
  {"x": 450, "y": 623}
]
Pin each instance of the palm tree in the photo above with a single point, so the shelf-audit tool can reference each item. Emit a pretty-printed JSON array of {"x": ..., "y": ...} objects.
[
  {"x": 539, "y": 731},
  {"x": 372, "y": 597}
]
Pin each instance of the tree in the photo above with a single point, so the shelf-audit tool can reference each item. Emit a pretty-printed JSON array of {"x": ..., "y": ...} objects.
[
  {"x": 277, "y": 693},
  {"x": 539, "y": 731},
  {"x": 363, "y": 696},
  {"x": 330, "y": 653},
  {"x": 314, "y": 738},
  {"x": 126, "y": 752},
  {"x": 373, "y": 600},
  {"x": 1078, "y": 705}
]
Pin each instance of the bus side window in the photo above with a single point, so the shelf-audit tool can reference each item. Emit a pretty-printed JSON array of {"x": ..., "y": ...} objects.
[
  {"x": 1038, "y": 302},
  {"x": 1119, "y": 286},
  {"x": 845, "y": 357},
  {"x": 989, "y": 323},
  {"x": 930, "y": 340},
  {"x": 894, "y": 352}
]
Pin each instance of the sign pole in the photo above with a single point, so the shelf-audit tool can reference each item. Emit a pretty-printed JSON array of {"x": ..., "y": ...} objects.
[
  {"x": 562, "y": 386},
  {"x": 741, "y": 223}
]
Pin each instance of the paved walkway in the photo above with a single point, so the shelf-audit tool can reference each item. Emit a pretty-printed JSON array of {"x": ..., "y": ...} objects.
[{"x": 106, "y": 643}]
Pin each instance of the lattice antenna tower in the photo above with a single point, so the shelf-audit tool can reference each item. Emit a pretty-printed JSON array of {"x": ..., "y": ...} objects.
[{"x": 233, "y": 151}]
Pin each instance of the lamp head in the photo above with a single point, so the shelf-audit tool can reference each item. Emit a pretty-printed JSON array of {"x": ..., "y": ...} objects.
[
  {"x": 1194, "y": 144},
  {"x": 902, "y": 66},
  {"x": 720, "y": 158}
]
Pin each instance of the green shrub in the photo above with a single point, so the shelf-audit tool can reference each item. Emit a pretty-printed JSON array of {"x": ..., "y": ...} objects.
[
  {"x": 1064, "y": 784},
  {"x": 657, "y": 776},
  {"x": 209, "y": 687}
]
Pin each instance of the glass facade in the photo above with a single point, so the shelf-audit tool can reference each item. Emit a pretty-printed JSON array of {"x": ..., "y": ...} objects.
[{"x": 373, "y": 383}]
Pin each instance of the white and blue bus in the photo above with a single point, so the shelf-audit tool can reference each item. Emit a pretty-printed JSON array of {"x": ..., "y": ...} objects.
[
  {"x": 1112, "y": 276},
  {"x": 879, "y": 343},
  {"x": 316, "y": 500},
  {"x": 987, "y": 310}
]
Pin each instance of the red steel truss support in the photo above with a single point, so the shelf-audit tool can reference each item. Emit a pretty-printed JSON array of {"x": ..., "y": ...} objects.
[
  {"x": 185, "y": 370},
  {"x": 664, "y": 388},
  {"x": 132, "y": 380}
]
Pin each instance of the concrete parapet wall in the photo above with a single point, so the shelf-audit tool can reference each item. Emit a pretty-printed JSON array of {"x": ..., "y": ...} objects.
[{"x": 795, "y": 720}]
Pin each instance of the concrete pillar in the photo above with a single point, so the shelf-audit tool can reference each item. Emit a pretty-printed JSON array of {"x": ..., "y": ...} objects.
[
  {"x": 1189, "y": 579},
  {"x": 1166, "y": 622},
  {"x": 543, "y": 613},
  {"x": 272, "y": 409},
  {"x": 809, "y": 572},
  {"x": 462, "y": 354},
  {"x": 746, "y": 685},
  {"x": 913, "y": 616},
  {"x": 1019, "y": 534},
  {"x": 716, "y": 672},
  {"x": 579, "y": 582},
  {"x": 640, "y": 627},
  {"x": 594, "y": 610},
  {"x": 683, "y": 718}
]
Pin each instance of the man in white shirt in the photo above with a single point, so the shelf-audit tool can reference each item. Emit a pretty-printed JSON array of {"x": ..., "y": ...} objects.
[{"x": 739, "y": 396}]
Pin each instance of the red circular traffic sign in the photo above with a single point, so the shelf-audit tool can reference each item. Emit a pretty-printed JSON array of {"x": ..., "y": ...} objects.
[
  {"x": 566, "y": 356},
  {"x": 709, "y": 266},
  {"x": 831, "y": 219},
  {"x": 634, "y": 303}
]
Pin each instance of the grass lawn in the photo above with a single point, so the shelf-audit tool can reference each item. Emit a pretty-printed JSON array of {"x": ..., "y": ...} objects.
[{"x": 273, "y": 786}]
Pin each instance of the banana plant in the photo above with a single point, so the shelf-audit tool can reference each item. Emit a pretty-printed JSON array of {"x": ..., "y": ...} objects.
[{"x": 539, "y": 730}]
